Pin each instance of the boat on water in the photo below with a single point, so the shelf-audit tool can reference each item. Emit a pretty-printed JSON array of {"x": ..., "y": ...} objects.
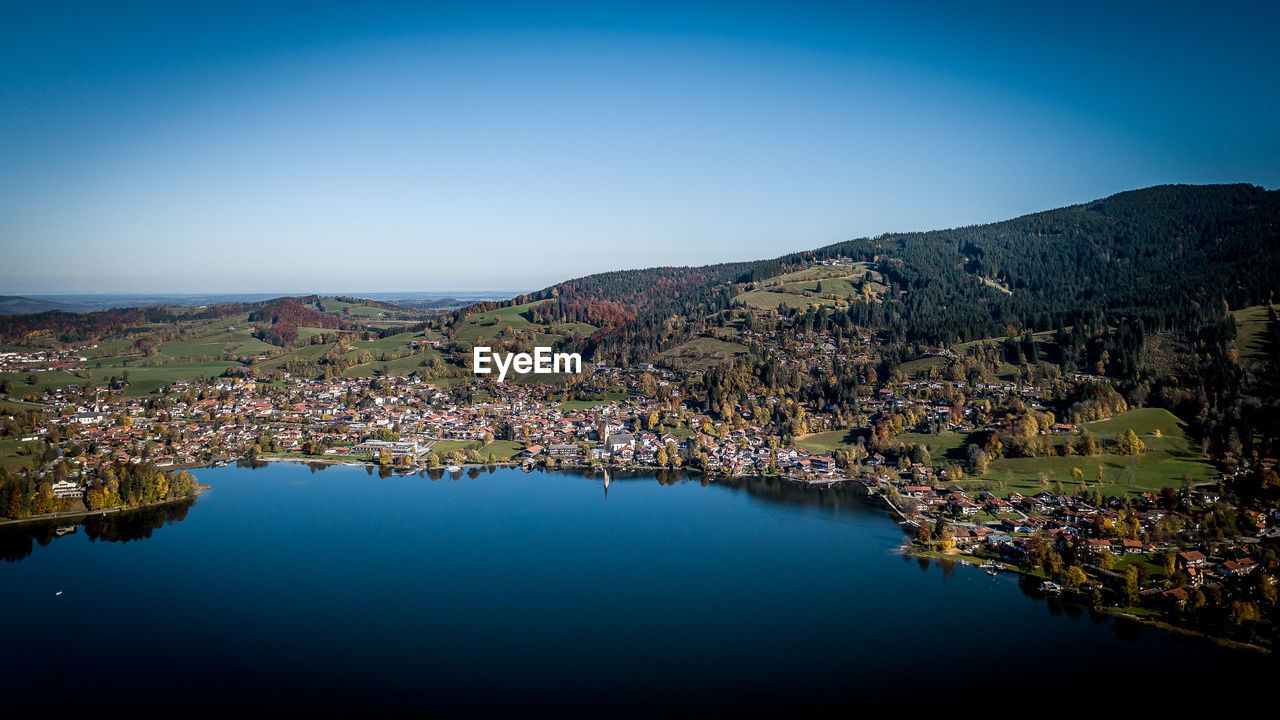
[{"x": 453, "y": 468}]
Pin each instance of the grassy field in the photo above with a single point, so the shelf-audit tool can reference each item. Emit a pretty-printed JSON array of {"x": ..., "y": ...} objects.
[
  {"x": 1124, "y": 561},
  {"x": 143, "y": 380},
  {"x": 570, "y": 406},
  {"x": 839, "y": 287},
  {"x": 1044, "y": 336},
  {"x": 45, "y": 380},
  {"x": 582, "y": 329},
  {"x": 502, "y": 449},
  {"x": 1251, "y": 324},
  {"x": 338, "y": 307},
  {"x": 212, "y": 339},
  {"x": 826, "y": 442},
  {"x": 768, "y": 300},
  {"x": 10, "y": 458},
  {"x": 400, "y": 366},
  {"x": 1154, "y": 470},
  {"x": 212, "y": 345},
  {"x": 995, "y": 286},
  {"x": 819, "y": 272},
  {"x": 306, "y": 352},
  {"x": 17, "y": 407},
  {"x": 702, "y": 353},
  {"x": 799, "y": 289},
  {"x": 107, "y": 348},
  {"x": 488, "y": 324},
  {"x": 947, "y": 445},
  {"x": 1169, "y": 457},
  {"x": 683, "y": 432},
  {"x": 943, "y": 446},
  {"x": 391, "y": 343},
  {"x": 179, "y": 359},
  {"x": 920, "y": 367},
  {"x": 1158, "y": 429}
]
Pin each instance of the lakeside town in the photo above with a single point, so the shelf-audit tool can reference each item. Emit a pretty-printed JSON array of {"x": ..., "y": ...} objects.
[
  {"x": 468, "y": 360},
  {"x": 1164, "y": 553}
]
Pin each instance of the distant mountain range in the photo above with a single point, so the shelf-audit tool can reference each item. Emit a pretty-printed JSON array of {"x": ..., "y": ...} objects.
[
  {"x": 18, "y": 305},
  {"x": 23, "y": 305}
]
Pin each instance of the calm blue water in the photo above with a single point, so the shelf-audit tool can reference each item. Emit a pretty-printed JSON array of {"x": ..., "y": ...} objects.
[{"x": 530, "y": 591}]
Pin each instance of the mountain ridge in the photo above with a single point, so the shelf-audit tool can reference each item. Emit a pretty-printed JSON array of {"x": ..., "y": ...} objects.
[{"x": 1112, "y": 256}]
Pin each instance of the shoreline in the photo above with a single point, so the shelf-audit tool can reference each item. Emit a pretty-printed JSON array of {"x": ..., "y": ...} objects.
[
  {"x": 909, "y": 547},
  {"x": 915, "y": 551},
  {"x": 78, "y": 515},
  {"x": 899, "y": 518}
]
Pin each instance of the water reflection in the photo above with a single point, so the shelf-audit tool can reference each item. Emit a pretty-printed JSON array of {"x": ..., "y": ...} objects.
[
  {"x": 777, "y": 490},
  {"x": 17, "y": 542}
]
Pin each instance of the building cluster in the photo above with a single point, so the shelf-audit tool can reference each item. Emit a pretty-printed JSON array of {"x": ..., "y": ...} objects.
[
  {"x": 1142, "y": 529},
  {"x": 190, "y": 423}
]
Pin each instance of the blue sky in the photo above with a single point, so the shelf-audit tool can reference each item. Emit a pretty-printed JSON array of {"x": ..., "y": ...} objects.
[{"x": 378, "y": 147}]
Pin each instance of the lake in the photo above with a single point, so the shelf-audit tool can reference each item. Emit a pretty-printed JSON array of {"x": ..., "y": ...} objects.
[{"x": 285, "y": 587}]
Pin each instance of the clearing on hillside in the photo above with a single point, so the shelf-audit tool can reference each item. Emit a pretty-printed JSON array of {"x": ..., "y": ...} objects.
[{"x": 701, "y": 353}]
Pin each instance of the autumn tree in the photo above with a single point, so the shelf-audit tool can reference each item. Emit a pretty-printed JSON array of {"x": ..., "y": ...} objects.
[{"x": 1076, "y": 576}]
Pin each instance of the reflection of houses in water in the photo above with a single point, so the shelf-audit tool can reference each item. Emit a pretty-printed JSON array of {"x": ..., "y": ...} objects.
[{"x": 65, "y": 530}]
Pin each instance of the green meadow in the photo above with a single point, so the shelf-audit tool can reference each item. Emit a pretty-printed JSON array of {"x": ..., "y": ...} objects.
[
  {"x": 1169, "y": 456},
  {"x": 572, "y": 406},
  {"x": 770, "y": 300},
  {"x": 702, "y": 353},
  {"x": 142, "y": 379},
  {"x": 488, "y": 324},
  {"x": 1251, "y": 326}
]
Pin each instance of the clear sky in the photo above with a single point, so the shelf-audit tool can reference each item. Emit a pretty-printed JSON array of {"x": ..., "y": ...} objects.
[{"x": 216, "y": 147}]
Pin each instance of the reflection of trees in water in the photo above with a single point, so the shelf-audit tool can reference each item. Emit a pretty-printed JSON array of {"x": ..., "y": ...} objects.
[
  {"x": 18, "y": 542},
  {"x": 844, "y": 496},
  {"x": 251, "y": 463},
  {"x": 769, "y": 489},
  {"x": 135, "y": 524}
]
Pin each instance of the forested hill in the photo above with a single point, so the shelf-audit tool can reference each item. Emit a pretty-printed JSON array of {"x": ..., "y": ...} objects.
[
  {"x": 1162, "y": 254},
  {"x": 1166, "y": 255}
]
